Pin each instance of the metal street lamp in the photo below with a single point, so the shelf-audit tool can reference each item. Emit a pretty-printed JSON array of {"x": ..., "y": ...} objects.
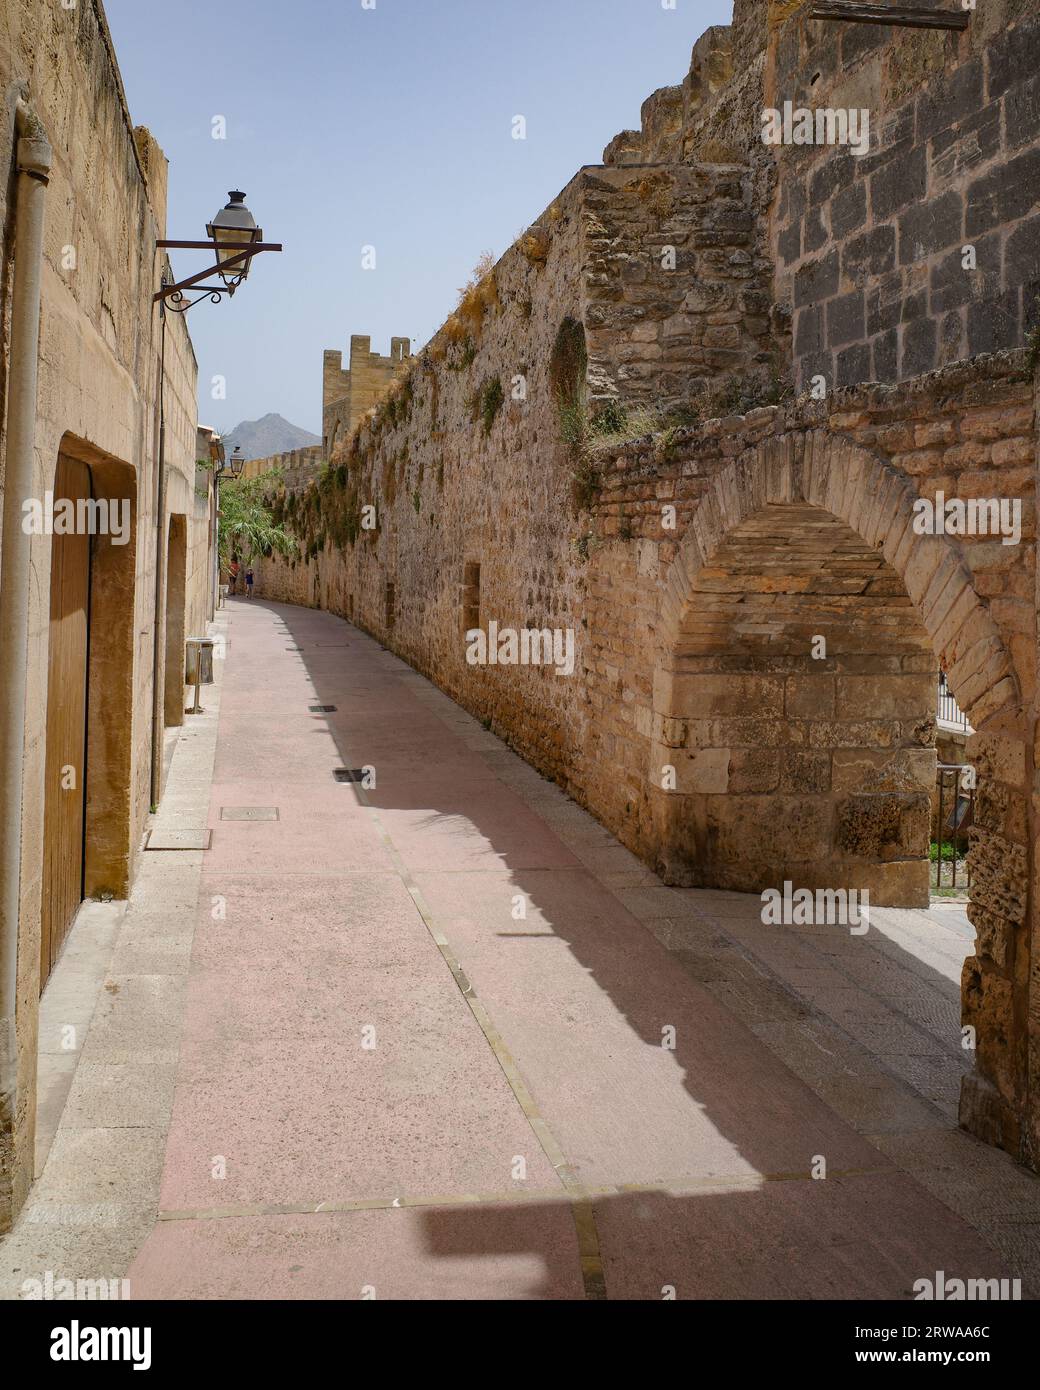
[
  {"x": 234, "y": 239},
  {"x": 233, "y": 227}
]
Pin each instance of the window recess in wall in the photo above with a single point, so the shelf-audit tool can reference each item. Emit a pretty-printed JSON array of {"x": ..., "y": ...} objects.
[{"x": 471, "y": 596}]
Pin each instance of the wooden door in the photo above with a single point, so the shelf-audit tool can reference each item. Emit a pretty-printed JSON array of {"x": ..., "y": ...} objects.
[{"x": 66, "y": 774}]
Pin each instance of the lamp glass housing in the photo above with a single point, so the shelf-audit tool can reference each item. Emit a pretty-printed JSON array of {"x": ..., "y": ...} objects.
[{"x": 234, "y": 225}]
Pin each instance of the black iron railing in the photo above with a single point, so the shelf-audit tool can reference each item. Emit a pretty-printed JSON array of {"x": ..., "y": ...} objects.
[{"x": 954, "y": 818}]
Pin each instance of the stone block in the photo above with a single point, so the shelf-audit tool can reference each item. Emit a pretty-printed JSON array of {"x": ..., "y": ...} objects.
[
  {"x": 853, "y": 365},
  {"x": 884, "y": 697},
  {"x": 1022, "y": 254},
  {"x": 930, "y": 227},
  {"x": 1003, "y": 194},
  {"x": 898, "y": 183},
  {"x": 870, "y": 254},
  {"x": 815, "y": 234},
  {"x": 885, "y": 356},
  {"x": 1022, "y": 113},
  {"x": 1013, "y": 57},
  {"x": 804, "y": 772},
  {"x": 994, "y": 325},
  {"x": 817, "y": 280},
  {"x": 885, "y": 826},
  {"x": 848, "y": 210},
  {"x": 754, "y": 770},
  {"x": 808, "y": 332},
  {"x": 919, "y": 348},
  {"x": 704, "y": 771},
  {"x": 809, "y": 697},
  {"x": 789, "y": 243},
  {"x": 954, "y": 98},
  {"x": 846, "y": 319}
]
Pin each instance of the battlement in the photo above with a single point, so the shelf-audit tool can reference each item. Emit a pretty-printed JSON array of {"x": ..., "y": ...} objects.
[{"x": 348, "y": 393}]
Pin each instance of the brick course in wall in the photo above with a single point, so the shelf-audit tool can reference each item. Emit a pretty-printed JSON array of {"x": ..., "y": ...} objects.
[{"x": 871, "y": 250}]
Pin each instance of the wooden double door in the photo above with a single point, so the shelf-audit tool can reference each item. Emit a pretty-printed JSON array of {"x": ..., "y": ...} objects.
[{"x": 67, "y": 686}]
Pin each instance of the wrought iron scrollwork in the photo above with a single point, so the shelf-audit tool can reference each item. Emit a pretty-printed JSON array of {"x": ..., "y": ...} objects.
[{"x": 179, "y": 303}]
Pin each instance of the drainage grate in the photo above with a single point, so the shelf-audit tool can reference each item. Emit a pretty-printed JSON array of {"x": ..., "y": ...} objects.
[
  {"x": 349, "y": 774},
  {"x": 323, "y": 709},
  {"x": 249, "y": 813},
  {"x": 178, "y": 839}
]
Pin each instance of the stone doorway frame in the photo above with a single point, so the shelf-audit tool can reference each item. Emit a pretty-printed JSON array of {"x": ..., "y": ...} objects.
[
  {"x": 108, "y": 851},
  {"x": 176, "y": 596}
]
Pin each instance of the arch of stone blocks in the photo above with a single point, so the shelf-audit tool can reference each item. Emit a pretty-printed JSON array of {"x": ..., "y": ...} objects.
[{"x": 867, "y": 504}]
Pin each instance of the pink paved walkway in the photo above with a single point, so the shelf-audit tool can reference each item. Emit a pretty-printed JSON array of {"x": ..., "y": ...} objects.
[{"x": 516, "y": 1130}]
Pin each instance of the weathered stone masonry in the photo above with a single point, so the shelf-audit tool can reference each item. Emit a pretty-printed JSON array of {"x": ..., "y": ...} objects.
[
  {"x": 871, "y": 250},
  {"x": 790, "y": 522},
  {"x": 97, "y": 405}
]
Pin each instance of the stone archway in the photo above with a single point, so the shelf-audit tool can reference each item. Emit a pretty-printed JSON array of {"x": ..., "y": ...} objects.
[{"x": 738, "y": 613}]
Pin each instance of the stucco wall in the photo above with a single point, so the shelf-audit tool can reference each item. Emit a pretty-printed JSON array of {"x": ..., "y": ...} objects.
[{"x": 98, "y": 377}]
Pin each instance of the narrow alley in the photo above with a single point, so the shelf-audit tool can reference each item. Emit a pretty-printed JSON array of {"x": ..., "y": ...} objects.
[{"x": 442, "y": 1037}]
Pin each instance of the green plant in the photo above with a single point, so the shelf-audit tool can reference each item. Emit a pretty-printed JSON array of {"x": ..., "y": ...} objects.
[
  {"x": 611, "y": 418},
  {"x": 949, "y": 851},
  {"x": 247, "y": 525},
  {"x": 585, "y": 483},
  {"x": 492, "y": 397}
]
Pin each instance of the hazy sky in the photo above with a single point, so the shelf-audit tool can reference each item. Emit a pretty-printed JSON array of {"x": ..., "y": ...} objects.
[{"x": 388, "y": 126}]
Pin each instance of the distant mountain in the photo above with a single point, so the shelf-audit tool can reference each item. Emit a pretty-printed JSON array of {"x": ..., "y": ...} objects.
[{"x": 271, "y": 435}]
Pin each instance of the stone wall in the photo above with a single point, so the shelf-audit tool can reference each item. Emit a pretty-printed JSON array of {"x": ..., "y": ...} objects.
[
  {"x": 698, "y": 567},
  {"x": 98, "y": 375},
  {"x": 872, "y": 251},
  {"x": 697, "y": 726},
  {"x": 299, "y": 466}
]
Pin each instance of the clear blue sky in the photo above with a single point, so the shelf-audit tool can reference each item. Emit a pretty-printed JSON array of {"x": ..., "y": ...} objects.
[{"x": 389, "y": 127}]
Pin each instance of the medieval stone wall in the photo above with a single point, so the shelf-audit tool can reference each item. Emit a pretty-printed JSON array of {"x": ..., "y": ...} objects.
[
  {"x": 696, "y": 567},
  {"x": 873, "y": 251}
]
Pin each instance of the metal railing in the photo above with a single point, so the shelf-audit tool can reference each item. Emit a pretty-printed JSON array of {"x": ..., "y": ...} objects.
[
  {"x": 947, "y": 711},
  {"x": 954, "y": 818}
]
